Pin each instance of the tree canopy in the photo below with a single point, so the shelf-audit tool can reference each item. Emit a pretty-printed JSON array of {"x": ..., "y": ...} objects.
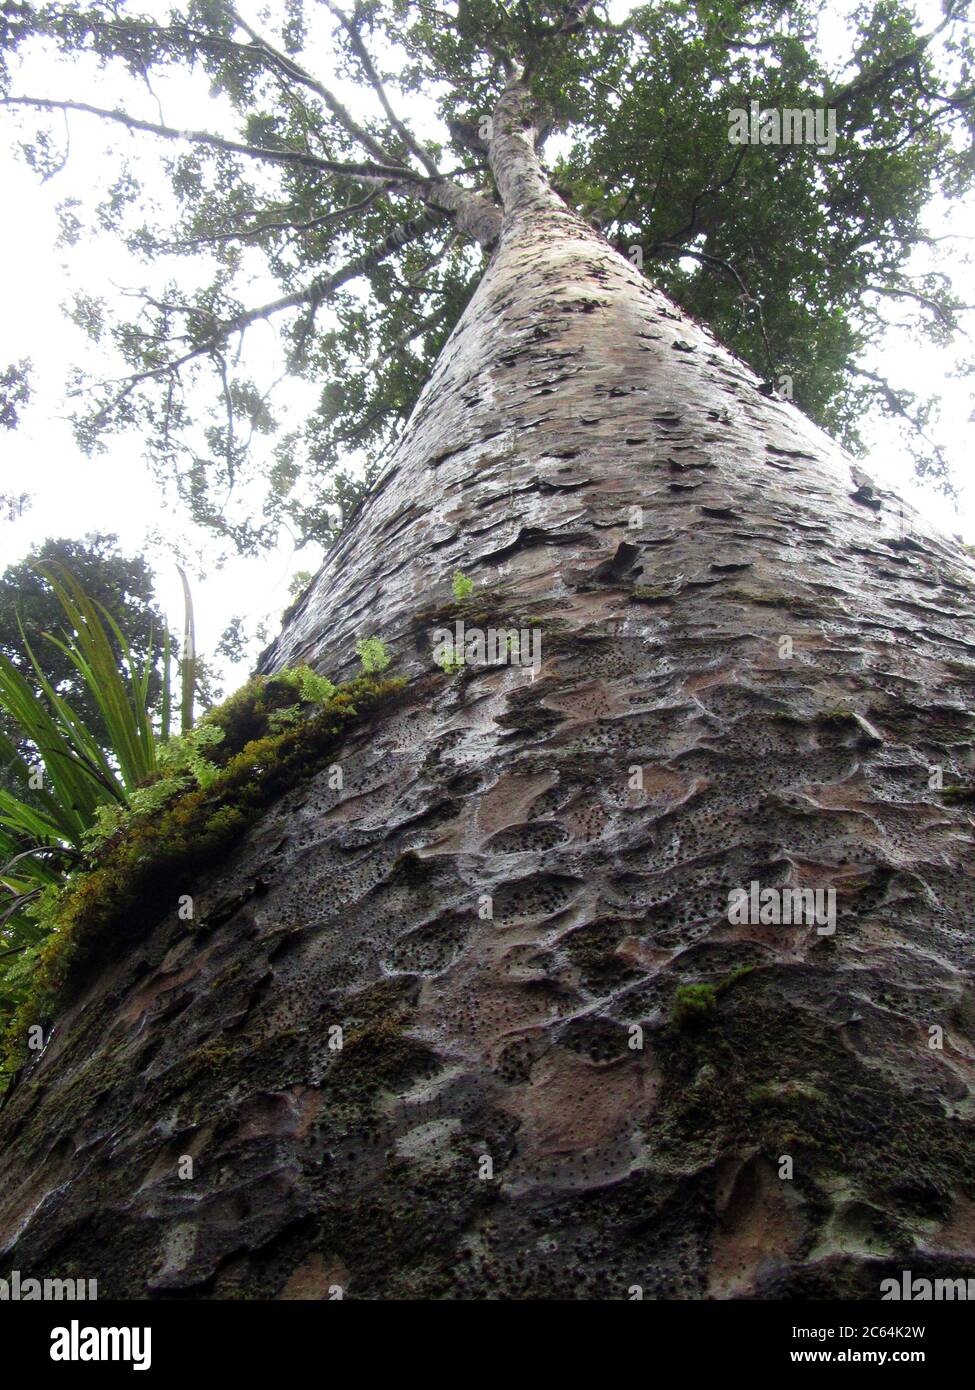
[
  {"x": 120, "y": 584},
  {"x": 342, "y": 170}
]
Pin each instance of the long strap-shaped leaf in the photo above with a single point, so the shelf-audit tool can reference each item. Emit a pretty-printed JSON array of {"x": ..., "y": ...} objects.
[
  {"x": 71, "y": 768},
  {"x": 188, "y": 663},
  {"x": 81, "y": 744},
  {"x": 123, "y": 703}
]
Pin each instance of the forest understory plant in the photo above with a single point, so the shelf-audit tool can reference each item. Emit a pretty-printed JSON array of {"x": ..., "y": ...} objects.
[
  {"x": 192, "y": 797},
  {"x": 70, "y": 780},
  {"x": 76, "y": 783}
]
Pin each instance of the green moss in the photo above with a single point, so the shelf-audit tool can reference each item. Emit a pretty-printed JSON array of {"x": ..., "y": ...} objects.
[
  {"x": 785, "y": 1093},
  {"x": 740, "y": 973},
  {"x": 694, "y": 1005},
  {"x": 313, "y": 688},
  {"x": 795, "y": 604},
  {"x": 840, "y": 715},
  {"x": 490, "y": 605},
  {"x": 134, "y": 868},
  {"x": 958, "y": 796},
  {"x": 211, "y": 1061},
  {"x": 780, "y": 1077},
  {"x": 450, "y": 665},
  {"x": 763, "y": 598}
]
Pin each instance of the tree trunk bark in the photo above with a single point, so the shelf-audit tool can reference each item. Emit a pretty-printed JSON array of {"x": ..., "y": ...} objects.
[{"x": 569, "y": 1067}]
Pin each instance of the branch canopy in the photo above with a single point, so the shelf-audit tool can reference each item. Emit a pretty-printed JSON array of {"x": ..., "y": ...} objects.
[{"x": 353, "y": 163}]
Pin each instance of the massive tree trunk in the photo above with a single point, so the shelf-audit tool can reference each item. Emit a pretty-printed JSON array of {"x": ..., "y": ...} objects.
[{"x": 754, "y": 669}]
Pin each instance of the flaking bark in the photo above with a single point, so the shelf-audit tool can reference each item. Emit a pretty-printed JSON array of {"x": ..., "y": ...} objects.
[{"x": 786, "y": 656}]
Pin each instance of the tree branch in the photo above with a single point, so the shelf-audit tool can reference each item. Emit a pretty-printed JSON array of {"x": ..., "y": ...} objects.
[
  {"x": 376, "y": 82},
  {"x": 258, "y": 229},
  {"x": 869, "y": 82},
  {"x": 355, "y": 169},
  {"x": 311, "y": 296},
  {"x": 690, "y": 227},
  {"x": 299, "y": 74},
  {"x": 943, "y": 312},
  {"x": 475, "y": 215},
  {"x": 729, "y": 269},
  {"x": 575, "y": 16},
  {"x": 896, "y": 406}
]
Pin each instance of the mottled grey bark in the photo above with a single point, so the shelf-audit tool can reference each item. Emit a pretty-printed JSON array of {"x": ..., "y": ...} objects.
[{"x": 751, "y": 662}]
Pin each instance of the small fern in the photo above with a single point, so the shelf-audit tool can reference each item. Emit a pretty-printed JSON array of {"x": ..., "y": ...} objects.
[
  {"x": 462, "y": 586},
  {"x": 373, "y": 654},
  {"x": 450, "y": 663},
  {"x": 313, "y": 688}
]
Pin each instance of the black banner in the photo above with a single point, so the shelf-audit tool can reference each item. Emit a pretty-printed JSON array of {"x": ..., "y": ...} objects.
[{"x": 166, "y": 1338}]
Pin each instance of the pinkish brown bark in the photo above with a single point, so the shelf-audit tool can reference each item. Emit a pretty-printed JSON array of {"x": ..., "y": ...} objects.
[{"x": 566, "y": 1071}]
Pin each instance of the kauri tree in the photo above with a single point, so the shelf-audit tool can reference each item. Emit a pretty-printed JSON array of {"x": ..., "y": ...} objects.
[{"x": 638, "y": 960}]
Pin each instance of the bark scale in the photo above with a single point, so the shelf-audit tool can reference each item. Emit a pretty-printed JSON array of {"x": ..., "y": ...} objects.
[{"x": 754, "y": 669}]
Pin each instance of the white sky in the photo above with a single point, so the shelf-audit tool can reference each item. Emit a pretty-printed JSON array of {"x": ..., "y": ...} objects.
[{"x": 73, "y": 494}]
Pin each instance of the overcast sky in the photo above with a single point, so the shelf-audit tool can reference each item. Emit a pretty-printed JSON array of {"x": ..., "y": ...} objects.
[{"x": 72, "y": 494}]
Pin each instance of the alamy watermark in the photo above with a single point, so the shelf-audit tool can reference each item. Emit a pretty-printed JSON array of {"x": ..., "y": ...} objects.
[
  {"x": 77, "y": 1343},
  {"x": 17, "y": 1290},
  {"x": 790, "y": 126},
  {"x": 474, "y": 646},
  {"x": 912, "y": 1290},
  {"x": 783, "y": 907}
]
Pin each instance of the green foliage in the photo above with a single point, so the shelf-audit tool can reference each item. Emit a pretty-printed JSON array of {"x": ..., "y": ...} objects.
[
  {"x": 122, "y": 698},
  {"x": 316, "y": 689},
  {"x": 299, "y": 582},
  {"x": 15, "y": 393},
  {"x": 88, "y": 814},
  {"x": 450, "y": 662},
  {"x": 958, "y": 795},
  {"x": 284, "y": 718},
  {"x": 118, "y": 583},
  {"x": 232, "y": 646},
  {"x": 65, "y": 787},
  {"x": 694, "y": 1005},
  {"x": 182, "y": 763},
  {"x": 67, "y": 769},
  {"x": 462, "y": 586},
  {"x": 795, "y": 259},
  {"x": 13, "y": 505},
  {"x": 312, "y": 689},
  {"x": 179, "y": 829},
  {"x": 26, "y": 877},
  {"x": 188, "y": 664},
  {"x": 372, "y": 652}
]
